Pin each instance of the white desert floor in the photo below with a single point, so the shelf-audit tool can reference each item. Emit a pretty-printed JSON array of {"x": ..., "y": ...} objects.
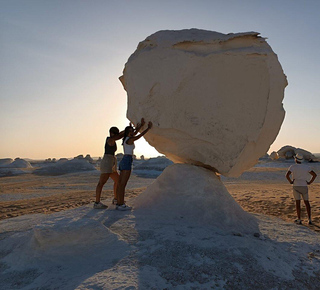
[{"x": 193, "y": 237}]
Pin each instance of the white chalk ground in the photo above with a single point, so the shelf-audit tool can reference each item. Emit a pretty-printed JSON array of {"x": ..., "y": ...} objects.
[{"x": 170, "y": 243}]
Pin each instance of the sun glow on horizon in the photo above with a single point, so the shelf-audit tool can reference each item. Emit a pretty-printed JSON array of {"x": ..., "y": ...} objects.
[{"x": 60, "y": 64}]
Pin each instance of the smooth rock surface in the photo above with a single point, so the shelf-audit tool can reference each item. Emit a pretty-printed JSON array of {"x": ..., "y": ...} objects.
[
  {"x": 5, "y": 162},
  {"x": 215, "y": 99},
  {"x": 19, "y": 163},
  {"x": 182, "y": 185},
  {"x": 289, "y": 151},
  {"x": 274, "y": 155}
]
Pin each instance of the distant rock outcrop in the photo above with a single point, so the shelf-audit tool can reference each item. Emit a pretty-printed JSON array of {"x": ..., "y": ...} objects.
[
  {"x": 158, "y": 164},
  {"x": 79, "y": 157},
  {"x": 5, "y": 161},
  {"x": 306, "y": 154},
  {"x": 10, "y": 167},
  {"x": 20, "y": 163},
  {"x": 274, "y": 155},
  {"x": 288, "y": 152},
  {"x": 88, "y": 158},
  {"x": 63, "y": 159},
  {"x": 64, "y": 167}
]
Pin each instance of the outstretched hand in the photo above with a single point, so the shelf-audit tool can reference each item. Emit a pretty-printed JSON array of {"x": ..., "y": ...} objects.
[
  {"x": 149, "y": 125},
  {"x": 142, "y": 122}
]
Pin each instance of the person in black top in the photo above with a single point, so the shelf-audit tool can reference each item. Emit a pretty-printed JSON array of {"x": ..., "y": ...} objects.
[{"x": 108, "y": 166}]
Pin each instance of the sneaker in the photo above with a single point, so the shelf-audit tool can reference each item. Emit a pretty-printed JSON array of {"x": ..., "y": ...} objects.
[
  {"x": 298, "y": 222},
  {"x": 99, "y": 205},
  {"x": 310, "y": 222},
  {"x": 123, "y": 207},
  {"x": 114, "y": 201}
]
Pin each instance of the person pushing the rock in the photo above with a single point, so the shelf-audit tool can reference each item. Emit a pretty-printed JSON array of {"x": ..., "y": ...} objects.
[
  {"x": 108, "y": 166},
  {"x": 125, "y": 165}
]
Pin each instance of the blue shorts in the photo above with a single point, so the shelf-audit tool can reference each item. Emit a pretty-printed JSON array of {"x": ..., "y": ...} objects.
[{"x": 126, "y": 163}]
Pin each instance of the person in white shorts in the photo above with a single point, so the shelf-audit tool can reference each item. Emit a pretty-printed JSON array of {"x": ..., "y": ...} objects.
[{"x": 300, "y": 176}]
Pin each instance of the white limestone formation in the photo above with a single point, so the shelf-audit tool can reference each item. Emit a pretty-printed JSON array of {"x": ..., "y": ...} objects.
[
  {"x": 289, "y": 152},
  {"x": 197, "y": 196},
  {"x": 215, "y": 99},
  {"x": 20, "y": 163},
  {"x": 5, "y": 162},
  {"x": 306, "y": 154},
  {"x": 79, "y": 157},
  {"x": 274, "y": 155},
  {"x": 286, "y": 152},
  {"x": 89, "y": 158}
]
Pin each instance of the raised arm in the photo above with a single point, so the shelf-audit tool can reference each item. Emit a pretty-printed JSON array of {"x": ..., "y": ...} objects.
[
  {"x": 314, "y": 175},
  {"x": 138, "y": 127},
  {"x": 132, "y": 139},
  {"x": 111, "y": 141},
  {"x": 121, "y": 134}
]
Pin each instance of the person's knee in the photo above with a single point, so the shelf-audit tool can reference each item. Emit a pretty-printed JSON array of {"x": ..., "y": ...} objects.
[
  {"x": 102, "y": 181},
  {"x": 116, "y": 181},
  {"x": 115, "y": 178},
  {"x": 121, "y": 183},
  {"x": 101, "y": 184}
]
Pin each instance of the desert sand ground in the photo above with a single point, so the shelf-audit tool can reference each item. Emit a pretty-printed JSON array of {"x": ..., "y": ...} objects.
[{"x": 259, "y": 190}]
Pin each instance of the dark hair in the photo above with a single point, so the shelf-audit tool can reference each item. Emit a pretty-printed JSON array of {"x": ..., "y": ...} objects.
[
  {"x": 114, "y": 130},
  {"x": 126, "y": 133}
]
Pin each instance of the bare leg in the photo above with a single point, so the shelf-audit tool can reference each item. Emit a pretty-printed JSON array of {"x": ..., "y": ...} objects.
[
  {"x": 298, "y": 208},
  {"x": 123, "y": 180},
  {"x": 115, "y": 178},
  {"x": 306, "y": 202},
  {"x": 103, "y": 179}
]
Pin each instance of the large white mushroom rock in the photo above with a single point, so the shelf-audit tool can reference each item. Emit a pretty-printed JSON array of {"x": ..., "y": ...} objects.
[
  {"x": 196, "y": 195},
  {"x": 215, "y": 99}
]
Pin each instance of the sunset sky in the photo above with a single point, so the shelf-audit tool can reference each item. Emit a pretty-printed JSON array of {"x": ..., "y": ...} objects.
[{"x": 60, "y": 62}]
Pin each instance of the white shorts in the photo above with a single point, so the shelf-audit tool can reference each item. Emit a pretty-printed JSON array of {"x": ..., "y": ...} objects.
[
  {"x": 108, "y": 164},
  {"x": 299, "y": 191}
]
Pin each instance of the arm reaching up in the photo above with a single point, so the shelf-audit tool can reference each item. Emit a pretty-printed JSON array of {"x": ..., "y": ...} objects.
[
  {"x": 138, "y": 127},
  {"x": 132, "y": 139}
]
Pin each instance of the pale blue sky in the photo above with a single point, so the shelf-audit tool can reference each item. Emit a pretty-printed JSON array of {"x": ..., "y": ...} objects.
[{"x": 60, "y": 62}]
